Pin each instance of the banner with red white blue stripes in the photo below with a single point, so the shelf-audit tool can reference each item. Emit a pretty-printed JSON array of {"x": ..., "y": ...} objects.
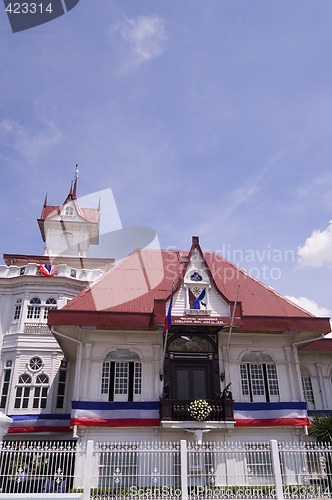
[
  {"x": 271, "y": 414},
  {"x": 47, "y": 269},
  {"x": 115, "y": 414},
  {"x": 39, "y": 423},
  {"x": 146, "y": 414}
]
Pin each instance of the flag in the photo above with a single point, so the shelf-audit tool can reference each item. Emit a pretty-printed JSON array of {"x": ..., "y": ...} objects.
[
  {"x": 197, "y": 302},
  {"x": 47, "y": 269},
  {"x": 168, "y": 319}
]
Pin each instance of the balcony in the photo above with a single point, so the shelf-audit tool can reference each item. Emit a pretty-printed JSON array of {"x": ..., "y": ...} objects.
[{"x": 175, "y": 410}]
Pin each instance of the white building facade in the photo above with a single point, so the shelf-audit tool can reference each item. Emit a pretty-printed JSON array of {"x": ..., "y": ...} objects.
[
  {"x": 35, "y": 386},
  {"x": 230, "y": 341}
]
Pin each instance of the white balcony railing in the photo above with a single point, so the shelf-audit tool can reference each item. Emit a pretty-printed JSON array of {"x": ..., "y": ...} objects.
[
  {"x": 62, "y": 270},
  {"x": 36, "y": 328}
]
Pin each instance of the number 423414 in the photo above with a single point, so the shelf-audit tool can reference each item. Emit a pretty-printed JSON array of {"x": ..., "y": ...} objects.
[{"x": 28, "y": 8}]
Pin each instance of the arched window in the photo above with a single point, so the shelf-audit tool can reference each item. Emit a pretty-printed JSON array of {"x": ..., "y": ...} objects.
[
  {"x": 259, "y": 379},
  {"x": 307, "y": 388},
  {"x": 122, "y": 376},
  {"x": 34, "y": 308},
  {"x": 23, "y": 391},
  {"x": 41, "y": 390},
  {"x": 49, "y": 305}
]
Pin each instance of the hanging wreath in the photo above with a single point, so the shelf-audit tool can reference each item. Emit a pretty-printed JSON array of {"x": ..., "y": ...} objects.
[{"x": 199, "y": 409}]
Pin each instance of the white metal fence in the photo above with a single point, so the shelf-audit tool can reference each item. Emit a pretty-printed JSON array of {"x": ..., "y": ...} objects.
[{"x": 168, "y": 470}]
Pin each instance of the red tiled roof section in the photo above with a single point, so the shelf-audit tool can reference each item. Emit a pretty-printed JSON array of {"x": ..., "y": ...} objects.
[
  {"x": 147, "y": 275},
  {"x": 132, "y": 286},
  {"x": 256, "y": 298},
  {"x": 90, "y": 214},
  {"x": 319, "y": 345}
]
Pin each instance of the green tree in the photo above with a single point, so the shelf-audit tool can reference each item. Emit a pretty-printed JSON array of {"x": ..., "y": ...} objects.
[{"x": 321, "y": 428}]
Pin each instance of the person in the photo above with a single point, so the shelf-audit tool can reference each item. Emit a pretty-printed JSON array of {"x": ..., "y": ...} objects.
[{"x": 48, "y": 486}]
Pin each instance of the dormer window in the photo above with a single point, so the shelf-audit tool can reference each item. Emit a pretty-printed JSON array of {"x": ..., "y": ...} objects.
[{"x": 69, "y": 211}]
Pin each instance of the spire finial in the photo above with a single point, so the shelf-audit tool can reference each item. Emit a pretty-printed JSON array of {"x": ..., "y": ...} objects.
[{"x": 75, "y": 182}]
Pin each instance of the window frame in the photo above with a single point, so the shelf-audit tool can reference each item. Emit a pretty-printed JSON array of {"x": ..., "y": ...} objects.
[
  {"x": 62, "y": 383},
  {"x": 23, "y": 391},
  {"x": 259, "y": 378},
  {"x": 37, "y": 309},
  {"x": 121, "y": 376},
  {"x": 307, "y": 389},
  {"x": 32, "y": 391},
  {"x": 40, "y": 393}
]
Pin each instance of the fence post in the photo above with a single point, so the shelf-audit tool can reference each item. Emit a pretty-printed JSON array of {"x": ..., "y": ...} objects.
[
  {"x": 87, "y": 470},
  {"x": 184, "y": 469},
  {"x": 276, "y": 469}
]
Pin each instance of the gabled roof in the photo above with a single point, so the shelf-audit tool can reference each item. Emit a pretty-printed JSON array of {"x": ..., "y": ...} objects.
[
  {"x": 134, "y": 294},
  {"x": 90, "y": 216}
]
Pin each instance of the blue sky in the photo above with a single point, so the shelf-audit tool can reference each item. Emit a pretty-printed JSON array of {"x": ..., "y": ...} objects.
[{"x": 205, "y": 118}]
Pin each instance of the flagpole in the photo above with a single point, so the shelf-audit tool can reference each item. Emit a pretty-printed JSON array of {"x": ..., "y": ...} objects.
[
  {"x": 161, "y": 374},
  {"x": 226, "y": 360}
]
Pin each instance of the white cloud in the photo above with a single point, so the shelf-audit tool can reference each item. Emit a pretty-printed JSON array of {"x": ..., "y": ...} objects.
[
  {"x": 29, "y": 142},
  {"x": 310, "y": 305},
  {"x": 143, "y": 39},
  {"x": 317, "y": 249}
]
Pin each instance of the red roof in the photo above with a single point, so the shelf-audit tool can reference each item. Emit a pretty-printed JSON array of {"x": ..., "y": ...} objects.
[
  {"x": 135, "y": 292},
  {"x": 89, "y": 214},
  {"x": 324, "y": 345}
]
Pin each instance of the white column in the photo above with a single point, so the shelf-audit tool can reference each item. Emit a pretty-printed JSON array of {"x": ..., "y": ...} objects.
[
  {"x": 276, "y": 469},
  {"x": 184, "y": 469},
  {"x": 86, "y": 369},
  {"x": 290, "y": 372},
  {"x": 321, "y": 385}
]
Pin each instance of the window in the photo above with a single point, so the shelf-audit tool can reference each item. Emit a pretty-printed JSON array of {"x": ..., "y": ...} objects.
[
  {"x": 34, "y": 308},
  {"x": 307, "y": 388},
  {"x": 122, "y": 376},
  {"x": 69, "y": 211},
  {"x": 5, "y": 386},
  {"x": 23, "y": 391},
  {"x": 50, "y": 304},
  {"x": 259, "y": 379},
  {"x": 35, "y": 363},
  {"x": 40, "y": 392},
  {"x": 38, "y": 310},
  {"x": 18, "y": 309},
  {"x": 28, "y": 388},
  {"x": 62, "y": 384}
]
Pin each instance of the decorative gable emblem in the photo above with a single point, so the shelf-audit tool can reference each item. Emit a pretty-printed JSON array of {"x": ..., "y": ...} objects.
[{"x": 196, "y": 277}]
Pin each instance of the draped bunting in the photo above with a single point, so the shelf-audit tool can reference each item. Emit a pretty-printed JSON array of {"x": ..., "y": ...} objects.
[{"x": 47, "y": 269}]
